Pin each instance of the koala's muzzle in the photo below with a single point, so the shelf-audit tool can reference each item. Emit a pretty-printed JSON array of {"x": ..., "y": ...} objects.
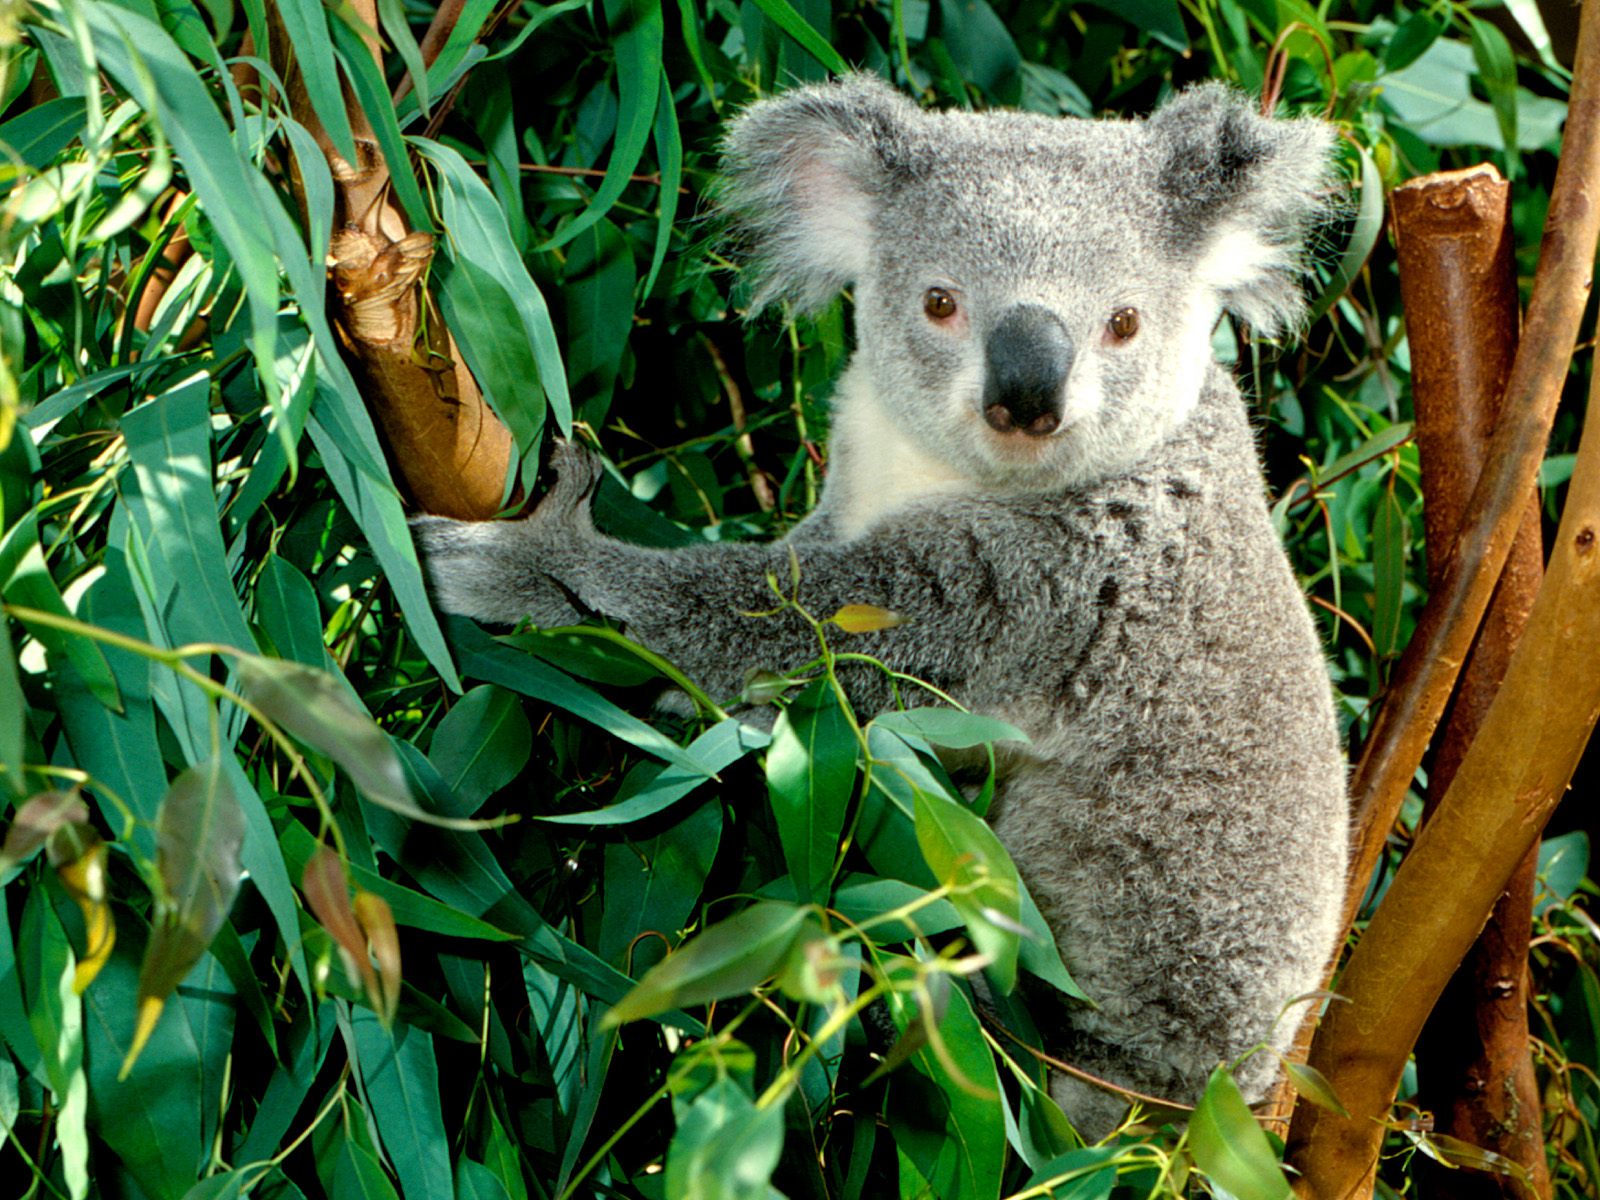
[{"x": 1027, "y": 356}]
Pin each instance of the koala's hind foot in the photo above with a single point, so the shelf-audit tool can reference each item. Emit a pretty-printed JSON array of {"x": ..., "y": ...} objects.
[{"x": 491, "y": 570}]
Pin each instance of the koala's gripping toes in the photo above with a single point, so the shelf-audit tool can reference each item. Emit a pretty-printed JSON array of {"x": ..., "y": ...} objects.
[{"x": 1034, "y": 459}]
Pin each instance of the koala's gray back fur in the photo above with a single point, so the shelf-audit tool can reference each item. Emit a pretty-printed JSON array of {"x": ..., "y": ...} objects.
[{"x": 1110, "y": 581}]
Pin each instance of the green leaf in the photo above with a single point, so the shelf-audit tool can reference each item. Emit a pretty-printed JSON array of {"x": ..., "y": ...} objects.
[
  {"x": 175, "y": 509},
  {"x": 945, "y": 1113},
  {"x": 1085, "y": 1174},
  {"x": 483, "y": 318},
  {"x": 474, "y": 1181},
  {"x": 669, "y": 152},
  {"x": 729, "y": 959},
  {"x": 648, "y": 789},
  {"x": 402, "y": 1086},
  {"x": 410, "y": 908},
  {"x": 484, "y": 658},
  {"x": 25, "y": 581},
  {"x": 725, "y": 1148},
  {"x": 199, "y": 832},
  {"x": 1161, "y": 19},
  {"x": 811, "y": 772},
  {"x": 1497, "y": 69},
  {"x": 375, "y": 505},
  {"x": 599, "y": 283},
  {"x": 1363, "y": 237},
  {"x": 13, "y": 712},
  {"x": 1388, "y": 571},
  {"x": 782, "y": 14},
  {"x": 980, "y": 45},
  {"x": 152, "y": 1119},
  {"x": 478, "y": 233},
  {"x": 1409, "y": 42},
  {"x": 637, "y": 30},
  {"x": 1230, "y": 1147},
  {"x": 372, "y": 93},
  {"x": 1312, "y": 1085},
  {"x": 949, "y": 727},
  {"x": 963, "y": 852},
  {"x": 145, "y": 61},
  {"x": 36, "y": 136},
  {"x": 481, "y": 745},
  {"x": 859, "y": 899},
  {"x": 652, "y": 886}
]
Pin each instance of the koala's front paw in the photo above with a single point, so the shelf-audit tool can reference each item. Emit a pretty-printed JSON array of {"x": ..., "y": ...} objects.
[
  {"x": 578, "y": 473},
  {"x": 490, "y": 570}
]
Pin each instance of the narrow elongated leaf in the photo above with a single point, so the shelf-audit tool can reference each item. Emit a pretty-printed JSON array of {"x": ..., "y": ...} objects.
[
  {"x": 728, "y": 959},
  {"x": 481, "y": 745},
  {"x": 652, "y": 886},
  {"x": 200, "y": 832},
  {"x": 669, "y": 152},
  {"x": 949, "y": 727},
  {"x": 13, "y": 711},
  {"x": 1388, "y": 571},
  {"x": 1230, "y": 1147},
  {"x": 402, "y": 1080},
  {"x": 37, "y": 135},
  {"x": 811, "y": 771},
  {"x": 25, "y": 581},
  {"x": 637, "y": 31},
  {"x": 479, "y": 234},
  {"x": 782, "y": 14},
  {"x": 725, "y": 1148},
  {"x": 648, "y": 790},
  {"x": 367, "y": 81},
  {"x": 484, "y": 658},
  {"x": 964, "y": 853},
  {"x": 319, "y": 710}
]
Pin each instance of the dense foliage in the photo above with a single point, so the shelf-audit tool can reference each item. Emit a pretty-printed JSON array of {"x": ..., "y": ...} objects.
[{"x": 461, "y": 852}]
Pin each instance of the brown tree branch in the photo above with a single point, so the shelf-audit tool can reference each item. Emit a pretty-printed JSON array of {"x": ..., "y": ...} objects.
[
  {"x": 449, "y": 449},
  {"x": 1509, "y": 782},
  {"x": 1458, "y": 283},
  {"x": 1427, "y": 671}
]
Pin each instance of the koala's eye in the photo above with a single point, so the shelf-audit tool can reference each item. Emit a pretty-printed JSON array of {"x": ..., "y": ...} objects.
[
  {"x": 938, "y": 304},
  {"x": 1124, "y": 323}
]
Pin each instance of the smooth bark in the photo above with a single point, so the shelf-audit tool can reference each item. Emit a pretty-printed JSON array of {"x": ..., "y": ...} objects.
[{"x": 1458, "y": 283}]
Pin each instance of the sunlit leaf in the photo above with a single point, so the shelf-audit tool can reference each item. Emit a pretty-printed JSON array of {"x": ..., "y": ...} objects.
[
  {"x": 729, "y": 959},
  {"x": 79, "y": 857},
  {"x": 1231, "y": 1147},
  {"x": 866, "y": 618},
  {"x": 963, "y": 853},
  {"x": 1311, "y": 1084},
  {"x": 811, "y": 771},
  {"x": 377, "y": 922}
]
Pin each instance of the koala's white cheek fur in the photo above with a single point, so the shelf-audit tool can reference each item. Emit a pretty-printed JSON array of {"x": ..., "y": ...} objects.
[{"x": 875, "y": 467}]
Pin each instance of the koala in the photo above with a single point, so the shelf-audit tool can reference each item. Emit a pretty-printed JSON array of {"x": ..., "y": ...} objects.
[{"x": 1035, "y": 460}]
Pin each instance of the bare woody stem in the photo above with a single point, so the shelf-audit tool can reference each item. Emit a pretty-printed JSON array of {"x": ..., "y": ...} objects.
[
  {"x": 1509, "y": 782},
  {"x": 1458, "y": 283},
  {"x": 1427, "y": 671}
]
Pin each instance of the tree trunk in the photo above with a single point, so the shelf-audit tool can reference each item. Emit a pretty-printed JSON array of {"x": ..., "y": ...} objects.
[{"x": 1459, "y": 287}]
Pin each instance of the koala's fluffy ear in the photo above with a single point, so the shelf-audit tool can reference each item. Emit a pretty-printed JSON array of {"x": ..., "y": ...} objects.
[
  {"x": 1245, "y": 192},
  {"x": 800, "y": 176}
]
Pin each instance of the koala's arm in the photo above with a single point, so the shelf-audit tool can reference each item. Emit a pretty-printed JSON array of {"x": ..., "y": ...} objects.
[{"x": 966, "y": 578}]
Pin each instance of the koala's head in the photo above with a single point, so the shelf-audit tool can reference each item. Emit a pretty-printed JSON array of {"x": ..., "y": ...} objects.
[{"x": 1034, "y": 297}]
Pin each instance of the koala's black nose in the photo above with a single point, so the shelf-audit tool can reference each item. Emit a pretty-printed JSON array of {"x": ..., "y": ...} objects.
[{"x": 1028, "y": 355}]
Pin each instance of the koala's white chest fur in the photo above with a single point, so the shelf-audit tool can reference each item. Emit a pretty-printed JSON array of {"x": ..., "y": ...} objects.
[{"x": 874, "y": 468}]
